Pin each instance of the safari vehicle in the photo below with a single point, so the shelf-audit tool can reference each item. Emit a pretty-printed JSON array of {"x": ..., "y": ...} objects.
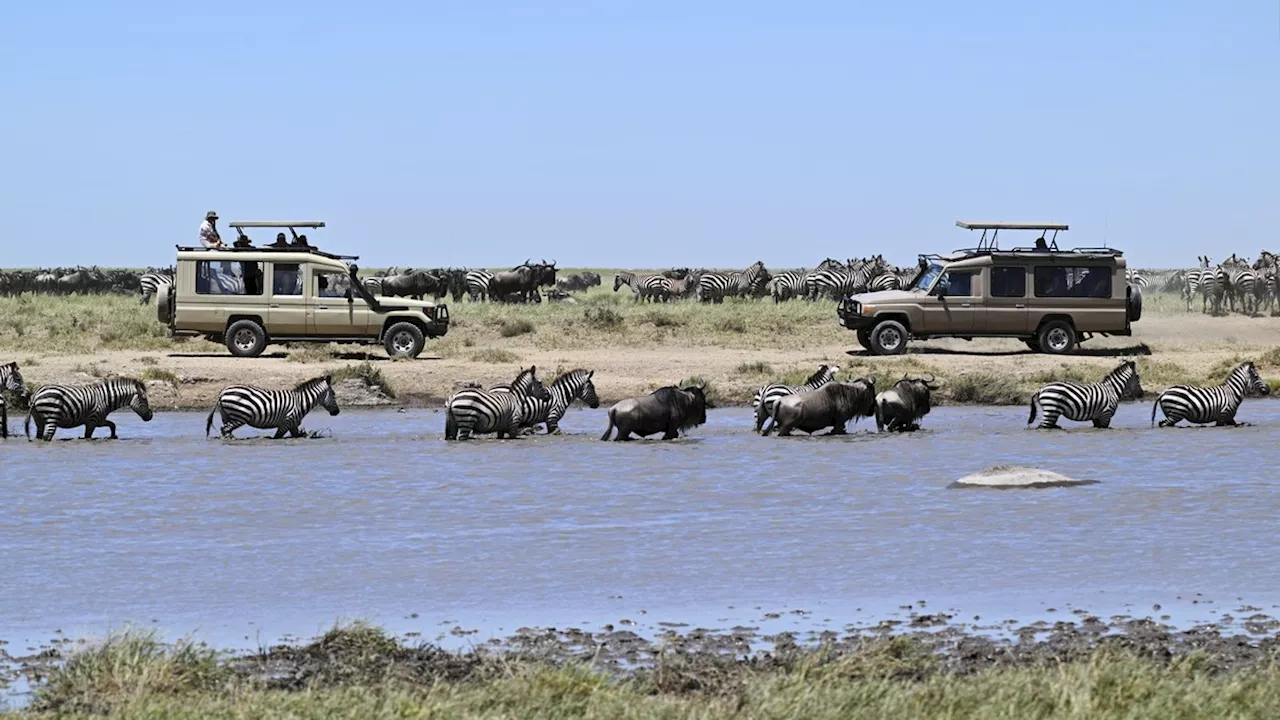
[
  {"x": 1051, "y": 299},
  {"x": 249, "y": 297}
]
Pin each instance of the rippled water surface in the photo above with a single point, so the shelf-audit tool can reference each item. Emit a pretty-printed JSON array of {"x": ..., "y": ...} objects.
[{"x": 385, "y": 521}]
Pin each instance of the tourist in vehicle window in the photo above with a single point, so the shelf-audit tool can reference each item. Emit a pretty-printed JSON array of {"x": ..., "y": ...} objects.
[
  {"x": 1009, "y": 282},
  {"x": 288, "y": 279},
  {"x": 957, "y": 283}
]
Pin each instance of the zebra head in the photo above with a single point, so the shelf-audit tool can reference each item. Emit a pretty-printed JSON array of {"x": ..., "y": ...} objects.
[
  {"x": 327, "y": 399},
  {"x": 139, "y": 403},
  {"x": 619, "y": 281},
  {"x": 824, "y": 375},
  {"x": 527, "y": 383},
  {"x": 1125, "y": 381},
  {"x": 587, "y": 392},
  {"x": 11, "y": 380},
  {"x": 1245, "y": 378}
]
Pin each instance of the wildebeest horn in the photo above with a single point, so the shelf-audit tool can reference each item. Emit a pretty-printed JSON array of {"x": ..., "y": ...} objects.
[{"x": 930, "y": 379}]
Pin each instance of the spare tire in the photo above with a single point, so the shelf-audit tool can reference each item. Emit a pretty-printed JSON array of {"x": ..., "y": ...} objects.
[
  {"x": 1135, "y": 303},
  {"x": 164, "y": 303}
]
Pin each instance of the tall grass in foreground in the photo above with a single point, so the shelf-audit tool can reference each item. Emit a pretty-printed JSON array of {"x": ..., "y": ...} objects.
[{"x": 360, "y": 672}]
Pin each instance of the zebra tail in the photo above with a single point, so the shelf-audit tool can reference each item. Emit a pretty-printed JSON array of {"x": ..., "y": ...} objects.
[
  {"x": 608, "y": 430},
  {"x": 1154, "y": 407},
  {"x": 1032, "y": 418},
  {"x": 450, "y": 425},
  {"x": 26, "y": 425},
  {"x": 208, "y": 423}
]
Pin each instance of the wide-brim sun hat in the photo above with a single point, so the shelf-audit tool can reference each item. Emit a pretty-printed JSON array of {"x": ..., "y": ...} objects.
[{"x": 211, "y": 215}]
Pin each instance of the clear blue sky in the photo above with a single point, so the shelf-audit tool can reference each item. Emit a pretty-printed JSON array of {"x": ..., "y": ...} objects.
[{"x": 660, "y": 133}]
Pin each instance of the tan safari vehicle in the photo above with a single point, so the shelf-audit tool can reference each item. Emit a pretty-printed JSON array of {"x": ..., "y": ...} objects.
[
  {"x": 1050, "y": 299},
  {"x": 249, "y": 297}
]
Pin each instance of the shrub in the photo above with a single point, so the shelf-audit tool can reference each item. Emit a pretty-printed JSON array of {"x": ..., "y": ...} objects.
[
  {"x": 497, "y": 356},
  {"x": 366, "y": 373},
  {"x": 983, "y": 389},
  {"x": 159, "y": 374},
  {"x": 754, "y": 368},
  {"x": 512, "y": 328},
  {"x": 309, "y": 353},
  {"x": 602, "y": 318}
]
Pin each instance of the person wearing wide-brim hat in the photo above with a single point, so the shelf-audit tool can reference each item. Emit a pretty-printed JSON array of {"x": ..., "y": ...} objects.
[{"x": 209, "y": 231}]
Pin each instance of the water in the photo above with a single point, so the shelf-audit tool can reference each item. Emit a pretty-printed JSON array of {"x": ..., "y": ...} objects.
[{"x": 244, "y": 542}]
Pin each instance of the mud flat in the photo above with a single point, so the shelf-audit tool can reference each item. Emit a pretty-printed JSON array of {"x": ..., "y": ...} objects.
[{"x": 927, "y": 667}]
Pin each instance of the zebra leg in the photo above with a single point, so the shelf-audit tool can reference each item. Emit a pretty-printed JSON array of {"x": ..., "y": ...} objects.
[
  {"x": 1103, "y": 422},
  {"x": 47, "y": 428},
  {"x": 89, "y": 427},
  {"x": 553, "y": 428},
  {"x": 280, "y": 431},
  {"x": 1049, "y": 421},
  {"x": 112, "y": 426}
]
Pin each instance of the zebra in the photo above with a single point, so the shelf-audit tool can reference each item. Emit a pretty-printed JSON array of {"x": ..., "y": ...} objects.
[
  {"x": 884, "y": 281},
  {"x": 10, "y": 381},
  {"x": 1213, "y": 284},
  {"x": 68, "y": 406},
  {"x": 838, "y": 282},
  {"x": 472, "y": 410},
  {"x": 373, "y": 284},
  {"x": 477, "y": 282},
  {"x": 814, "y": 281},
  {"x": 150, "y": 283},
  {"x": 713, "y": 286},
  {"x": 283, "y": 410},
  {"x": 573, "y": 385},
  {"x": 1086, "y": 401},
  {"x": 1191, "y": 286},
  {"x": 767, "y": 396},
  {"x": 1134, "y": 277},
  {"x": 1240, "y": 282},
  {"x": 787, "y": 285},
  {"x": 1217, "y": 405},
  {"x": 644, "y": 287}
]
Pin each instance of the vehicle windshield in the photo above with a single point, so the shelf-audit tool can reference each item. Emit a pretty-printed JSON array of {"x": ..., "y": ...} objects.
[{"x": 925, "y": 280}]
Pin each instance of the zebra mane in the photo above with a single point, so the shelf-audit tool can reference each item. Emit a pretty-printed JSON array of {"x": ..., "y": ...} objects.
[
  {"x": 573, "y": 375},
  {"x": 524, "y": 377},
  {"x": 1127, "y": 364},
  {"x": 820, "y": 374},
  {"x": 305, "y": 384},
  {"x": 121, "y": 382}
]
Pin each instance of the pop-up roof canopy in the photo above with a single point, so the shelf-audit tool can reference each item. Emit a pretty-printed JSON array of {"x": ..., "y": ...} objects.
[{"x": 989, "y": 243}]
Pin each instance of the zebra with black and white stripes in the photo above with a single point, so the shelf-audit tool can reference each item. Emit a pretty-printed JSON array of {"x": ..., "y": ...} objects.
[
  {"x": 1191, "y": 285},
  {"x": 836, "y": 283},
  {"x": 1202, "y": 405},
  {"x": 570, "y": 386},
  {"x": 472, "y": 410},
  {"x": 714, "y": 286},
  {"x": 10, "y": 382},
  {"x": 1239, "y": 286},
  {"x": 787, "y": 285},
  {"x": 68, "y": 406},
  {"x": 644, "y": 287},
  {"x": 149, "y": 284},
  {"x": 768, "y": 396},
  {"x": 261, "y": 408},
  {"x": 1213, "y": 285},
  {"x": 477, "y": 282},
  {"x": 1086, "y": 401}
]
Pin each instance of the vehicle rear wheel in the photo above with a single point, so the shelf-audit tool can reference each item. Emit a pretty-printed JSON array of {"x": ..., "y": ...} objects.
[
  {"x": 246, "y": 338},
  {"x": 888, "y": 338},
  {"x": 1057, "y": 337},
  {"x": 864, "y": 338},
  {"x": 404, "y": 339}
]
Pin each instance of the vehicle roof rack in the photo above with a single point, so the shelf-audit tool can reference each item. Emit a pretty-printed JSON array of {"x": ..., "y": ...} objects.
[
  {"x": 276, "y": 224},
  {"x": 990, "y": 242},
  {"x": 268, "y": 248}
]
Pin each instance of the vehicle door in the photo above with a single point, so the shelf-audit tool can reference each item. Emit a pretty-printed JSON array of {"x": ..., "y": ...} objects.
[
  {"x": 1006, "y": 301},
  {"x": 286, "y": 306},
  {"x": 952, "y": 305},
  {"x": 334, "y": 308}
]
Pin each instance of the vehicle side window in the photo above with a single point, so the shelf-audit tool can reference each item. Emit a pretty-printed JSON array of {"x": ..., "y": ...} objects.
[
  {"x": 1008, "y": 282},
  {"x": 287, "y": 279},
  {"x": 331, "y": 284},
  {"x": 214, "y": 277},
  {"x": 959, "y": 284},
  {"x": 1077, "y": 282}
]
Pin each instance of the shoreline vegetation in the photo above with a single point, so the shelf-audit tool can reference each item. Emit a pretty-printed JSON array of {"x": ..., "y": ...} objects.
[
  {"x": 1130, "y": 668},
  {"x": 634, "y": 348}
]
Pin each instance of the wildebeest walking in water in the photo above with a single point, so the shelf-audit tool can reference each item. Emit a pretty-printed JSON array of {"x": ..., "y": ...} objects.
[
  {"x": 900, "y": 408},
  {"x": 831, "y": 406},
  {"x": 669, "y": 410}
]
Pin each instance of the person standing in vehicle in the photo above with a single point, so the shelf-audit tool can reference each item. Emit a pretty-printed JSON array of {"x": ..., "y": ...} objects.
[{"x": 209, "y": 237}]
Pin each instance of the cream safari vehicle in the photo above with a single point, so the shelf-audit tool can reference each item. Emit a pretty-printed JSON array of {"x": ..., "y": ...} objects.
[
  {"x": 249, "y": 297},
  {"x": 1050, "y": 299}
]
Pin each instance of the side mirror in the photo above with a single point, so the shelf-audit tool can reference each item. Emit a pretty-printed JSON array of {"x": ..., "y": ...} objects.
[{"x": 940, "y": 290}]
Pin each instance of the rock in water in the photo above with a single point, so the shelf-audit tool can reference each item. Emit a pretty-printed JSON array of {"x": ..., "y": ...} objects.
[{"x": 1017, "y": 476}]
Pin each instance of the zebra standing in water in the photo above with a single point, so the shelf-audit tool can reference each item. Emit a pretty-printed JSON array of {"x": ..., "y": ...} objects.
[
  {"x": 280, "y": 409},
  {"x": 149, "y": 283},
  {"x": 472, "y": 410},
  {"x": 768, "y": 396},
  {"x": 1086, "y": 401},
  {"x": 1217, "y": 405},
  {"x": 644, "y": 287},
  {"x": 714, "y": 286},
  {"x": 573, "y": 385},
  {"x": 10, "y": 381},
  {"x": 68, "y": 406},
  {"x": 477, "y": 282}
]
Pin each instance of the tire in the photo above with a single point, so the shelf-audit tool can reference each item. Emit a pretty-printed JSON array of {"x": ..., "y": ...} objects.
[
  {"x": 403, "y": 340},
  {"x": 164, "y": 304},
  {"x": 246, "y": 338},
  {"x": 888, "y": 338},
  {"x": 864, "y": 339},
  {"x": 1135, "y": 303},
  {"x": 1057, "y": 337}
]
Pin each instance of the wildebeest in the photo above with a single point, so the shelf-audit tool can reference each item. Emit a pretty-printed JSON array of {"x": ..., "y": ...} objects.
[
  {"x": 900, "y": 408},
  {"x": 667, "y": 410},
  {"x": 521, "y": 280},
  {"x": 415, "y": 285},
  {"x": 831, "y": 406}
]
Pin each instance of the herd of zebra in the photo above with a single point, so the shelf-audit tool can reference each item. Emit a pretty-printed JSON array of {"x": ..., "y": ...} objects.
[
  {"x": 830, "y": 280},
  {"x": 521, "y": 406},
  {"x": 1239, "y": 285}
]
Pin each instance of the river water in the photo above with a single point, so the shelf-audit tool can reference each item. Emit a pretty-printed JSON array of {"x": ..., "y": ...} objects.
[{"x": 247, "y": 541}]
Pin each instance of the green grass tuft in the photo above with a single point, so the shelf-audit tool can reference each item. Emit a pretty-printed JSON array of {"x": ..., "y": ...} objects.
[
  {"x": 159, "y": 374},
  {"x": 754, "y": 368},
  {"x": 497, "y": 356},
  {"x": 981, "y": 389},
  {"x": 512, "y": 328},
  {"x": 367, "y": 373},
  {"x": 602, "y": 318}
]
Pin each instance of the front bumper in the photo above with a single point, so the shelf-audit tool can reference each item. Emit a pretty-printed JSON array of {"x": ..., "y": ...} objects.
[{"x": 850, "y": 313}]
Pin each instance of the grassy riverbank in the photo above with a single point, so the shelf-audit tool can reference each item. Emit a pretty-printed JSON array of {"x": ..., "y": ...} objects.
[
  {"x": 359, "y": 672},
  {"x": 634, "y": 348}
]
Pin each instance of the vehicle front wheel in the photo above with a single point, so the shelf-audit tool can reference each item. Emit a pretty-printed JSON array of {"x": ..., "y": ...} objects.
[
  {"x": 246, "y": 338},
  {"x": 1057, "y": 337},
  {"x": 864, "y": 338},
  {"x": 888, "y": 338},
  {"x": 404, "y": 340}
]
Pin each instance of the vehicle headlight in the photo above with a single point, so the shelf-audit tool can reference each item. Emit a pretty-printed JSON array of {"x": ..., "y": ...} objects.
[{"x": 868, "y": 309}]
